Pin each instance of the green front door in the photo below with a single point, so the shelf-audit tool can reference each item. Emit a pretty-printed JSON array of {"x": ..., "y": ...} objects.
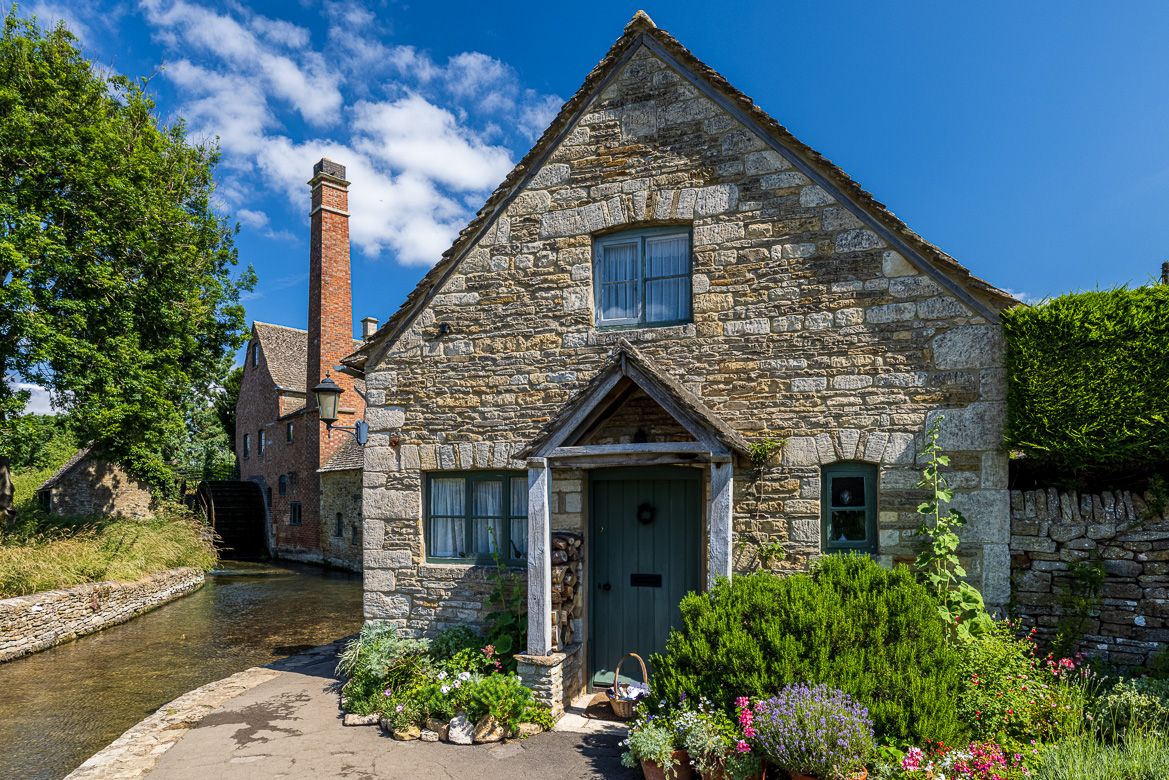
[{"x": 645, "y": 548}]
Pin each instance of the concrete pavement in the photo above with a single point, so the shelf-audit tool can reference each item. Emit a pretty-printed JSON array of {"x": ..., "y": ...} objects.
[{"x": 290, "y": 727}]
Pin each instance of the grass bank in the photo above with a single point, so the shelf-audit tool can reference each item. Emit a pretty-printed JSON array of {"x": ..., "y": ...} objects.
[{"x": 50, "y": 551}]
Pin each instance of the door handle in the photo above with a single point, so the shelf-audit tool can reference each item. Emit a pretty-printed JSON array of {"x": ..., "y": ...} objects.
[{"x": 606, "y": 586}]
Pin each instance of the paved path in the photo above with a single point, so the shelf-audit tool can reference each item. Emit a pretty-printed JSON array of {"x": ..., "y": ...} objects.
[{"x": 290, "y": 727}]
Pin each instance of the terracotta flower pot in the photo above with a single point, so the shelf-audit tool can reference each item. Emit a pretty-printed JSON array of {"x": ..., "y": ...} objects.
[
  {"x": 862, "y": 775},
  {"x": 718, "y": 775},
  {"x": 682, "y": 768}
]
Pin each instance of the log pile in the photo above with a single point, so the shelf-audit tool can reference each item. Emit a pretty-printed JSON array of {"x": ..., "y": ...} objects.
[{"x": 567, "y": 599}]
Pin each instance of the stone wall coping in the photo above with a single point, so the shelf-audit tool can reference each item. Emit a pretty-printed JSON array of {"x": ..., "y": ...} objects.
[
  {"x": 45, "y": 596},
  {"x": 552, "y": 659}
]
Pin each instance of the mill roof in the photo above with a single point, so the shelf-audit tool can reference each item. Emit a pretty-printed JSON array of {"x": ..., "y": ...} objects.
[
  {"x": 286, "y": 352},
  {"x": 642, "y": 31},
  {"x": 349, "y": 457}
]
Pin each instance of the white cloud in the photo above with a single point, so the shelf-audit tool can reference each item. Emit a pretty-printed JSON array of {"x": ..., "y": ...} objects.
[
  {"x": 40, "y": 402},
  {"x": 251, "y": 218},
  {"x": 421, "y": 142}
]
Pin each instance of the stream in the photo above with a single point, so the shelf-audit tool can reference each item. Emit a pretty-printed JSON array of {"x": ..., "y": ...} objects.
[{"x": 62, "y": 705}]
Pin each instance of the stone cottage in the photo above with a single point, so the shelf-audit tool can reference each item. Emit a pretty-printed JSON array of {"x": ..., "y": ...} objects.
[
  {"x": 311, "y": 481},
  {"x": 86, "y": 485},
  {"x": 667, "y": 278}
]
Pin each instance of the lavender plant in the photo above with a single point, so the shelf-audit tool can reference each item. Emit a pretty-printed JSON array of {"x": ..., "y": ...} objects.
[{"x": 814, "y": 730}]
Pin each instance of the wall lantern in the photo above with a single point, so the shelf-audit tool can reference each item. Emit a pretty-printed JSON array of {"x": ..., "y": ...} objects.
[
  {"x": 328, "y": 394},
  {"x": 645, "y": 514}
]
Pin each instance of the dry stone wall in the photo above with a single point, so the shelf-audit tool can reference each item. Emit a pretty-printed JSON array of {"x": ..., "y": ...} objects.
[
  {"x": 1115, "y": 531},
  {"x": 39, "y": 621},
  {"x": 806, "y": 326}
]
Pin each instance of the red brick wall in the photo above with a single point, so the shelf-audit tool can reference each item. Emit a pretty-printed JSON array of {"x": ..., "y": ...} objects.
[{"x": 330, "y": 338}]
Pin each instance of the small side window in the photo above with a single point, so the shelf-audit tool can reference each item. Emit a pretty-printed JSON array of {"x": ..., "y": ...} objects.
[
  {"x": 283, "y": 484},
  {"x": 255, "y": 354},
  {"x": 848, "y": 507},
  {"x": 356, "y": 538},
  {"x": 260, "y": 442},
  {"x": 339, "y": 530},
  {"x": 289, "y": 433},
  {"x": 294, "y": 513},
  {"x": 247, "y": 445}
]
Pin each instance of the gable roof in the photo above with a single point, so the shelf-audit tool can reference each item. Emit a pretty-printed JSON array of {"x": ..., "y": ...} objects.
[
  {"x": 60, "y": 473},
  {"x": 286, "y": 352},
  {"x": 350, "y": 456},
  {"x": 586, "y": 409},
  {"x": 641, "y": 30}
]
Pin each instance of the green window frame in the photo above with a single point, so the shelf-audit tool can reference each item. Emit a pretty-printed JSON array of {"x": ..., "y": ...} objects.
[
  {"x": 294, "y": 513},
  {"x": 460, "y": 506},
  {"x": 643, "y": 279},
  {"x": 848, "y": 508}
]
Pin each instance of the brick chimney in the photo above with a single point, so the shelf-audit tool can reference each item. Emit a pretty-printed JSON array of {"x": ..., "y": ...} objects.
[{"x": 330, "y": 303}]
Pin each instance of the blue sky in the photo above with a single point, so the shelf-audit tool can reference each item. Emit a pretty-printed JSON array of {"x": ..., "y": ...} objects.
[{"x": 1028, "y": 140}]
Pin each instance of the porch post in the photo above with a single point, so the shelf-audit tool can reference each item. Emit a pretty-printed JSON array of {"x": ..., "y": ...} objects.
[
  {"x": 721, "y": 517},
  {"x": 539, "y": 559}
]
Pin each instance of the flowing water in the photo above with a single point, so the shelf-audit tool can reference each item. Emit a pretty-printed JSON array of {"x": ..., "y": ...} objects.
[{"x": 62, "y": 705}]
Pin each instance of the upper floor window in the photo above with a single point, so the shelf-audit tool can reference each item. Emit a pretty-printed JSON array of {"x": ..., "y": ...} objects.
[
  {"x": 848, "y": 507},
  {"x": 339, "y": 529},
  {"x": 255, "y": 354},
  {"x": 260, "y": 442},
  {"x": 642, "y": 277},
  {"x": 470, "y": 514},
  {"x": 283, "y": 484},
  {"x": 288, "y": 433},
  {"x": 247, "y": 445}
]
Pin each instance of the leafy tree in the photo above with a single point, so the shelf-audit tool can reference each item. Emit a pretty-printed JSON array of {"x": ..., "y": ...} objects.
[
  {"x": 116, "y": 288},
  {"x": 34, "y": 441},
  {"x": 225, "y": 401}
]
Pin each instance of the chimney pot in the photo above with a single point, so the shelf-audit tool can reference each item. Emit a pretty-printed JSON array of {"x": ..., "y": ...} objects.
[
  {"x": 329, "y": 168},
  {"x": 368, "y": 328}
]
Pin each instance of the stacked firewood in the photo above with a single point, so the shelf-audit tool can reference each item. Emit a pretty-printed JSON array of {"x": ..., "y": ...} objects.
[{"x": 567, "y": 599}]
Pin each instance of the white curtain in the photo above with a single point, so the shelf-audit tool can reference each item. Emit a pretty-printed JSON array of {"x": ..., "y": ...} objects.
[
  {"x": 619, "y": 274},
  {"x": 447, "y": 513},
  {"x": 667, "y": 299},
  {"x": 488, "y": 514},
  {"x": 519, "y": 517}
]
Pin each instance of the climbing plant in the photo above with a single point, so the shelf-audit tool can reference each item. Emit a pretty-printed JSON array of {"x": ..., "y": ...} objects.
[
  {"x": 508, "y": 621},
  {"x": 959, "y": 602}
]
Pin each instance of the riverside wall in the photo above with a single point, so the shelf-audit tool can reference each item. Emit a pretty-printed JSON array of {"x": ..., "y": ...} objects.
[{"x": 42, "y": 620}]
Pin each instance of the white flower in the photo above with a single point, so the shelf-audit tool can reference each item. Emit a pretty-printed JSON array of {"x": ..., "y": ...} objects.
[
  {"x": 445, "y": 689},
  {"x": 458, "y": 683},
  {"x": 464, "y": 675},
  {"x": 442, "y": 675}
]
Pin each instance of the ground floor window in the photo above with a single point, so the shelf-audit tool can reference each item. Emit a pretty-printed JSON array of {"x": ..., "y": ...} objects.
[
  {"x": 466, "y": 510},
  {"x": 294, "y": 513},
  {"x": 848, "y": 507}
]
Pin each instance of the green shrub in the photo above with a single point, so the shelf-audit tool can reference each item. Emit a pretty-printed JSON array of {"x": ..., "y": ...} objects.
[
  {"x": 379, "y": 660},
  {"x": 502, "y": 696},
  {"x": 447, "y": 643},
  {"x": 1140, "y": 705},
  {"x": 1009, "y": 695},
  {"x": 1086, "y": 379},
  {"x": 872, "y": 632}
]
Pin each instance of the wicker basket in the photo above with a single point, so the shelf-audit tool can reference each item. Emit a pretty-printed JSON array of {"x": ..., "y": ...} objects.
[{"x": 623, "y": 708}]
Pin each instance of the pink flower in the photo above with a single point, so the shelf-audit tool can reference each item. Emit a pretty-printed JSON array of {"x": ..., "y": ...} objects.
[
  {"x": 743, "y": 747},
  {"x": 749, "y": 733},
  {"x": 741, "y": 702},
  {"x": 912, "y": 761}
]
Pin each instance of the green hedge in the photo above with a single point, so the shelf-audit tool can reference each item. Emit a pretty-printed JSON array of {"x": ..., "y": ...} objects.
[
  {"x": 873, "y": 632},
  {"x": 1088, "y": 382}
]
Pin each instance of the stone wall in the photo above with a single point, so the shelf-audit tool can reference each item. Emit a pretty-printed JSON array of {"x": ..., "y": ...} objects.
[
  {"x": 557, "y": 679},
  {"x": 806, "y": 326},
  {"x": 95, "y": 487},
  {"x": 341, "y": 494},
  {"x": 1051, "y": 530},
  {"x": 39, "y": 621}
]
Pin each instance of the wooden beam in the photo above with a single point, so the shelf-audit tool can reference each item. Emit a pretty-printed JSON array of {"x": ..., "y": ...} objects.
[
  {"x": 683, "y": 416},
  {"x": 603, "y": 411},
  {"x": 721, "y": 521},
  {"x": 624, "y": 449},
  {"x": 631, "y": 459},
  {"x": 576, "y": 418},
  {"x": 539, "y": 558}
]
